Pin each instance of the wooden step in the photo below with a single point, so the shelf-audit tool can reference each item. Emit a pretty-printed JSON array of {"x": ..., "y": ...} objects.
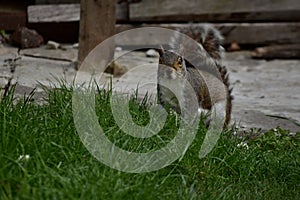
[
  {"x": 254, "y": 34},
  {"x": 60, "y": 13},
  {"x": 214, "y": 10}
]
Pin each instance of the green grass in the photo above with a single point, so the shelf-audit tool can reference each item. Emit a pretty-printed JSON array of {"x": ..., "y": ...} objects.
[{"x": 60, "y": 167}]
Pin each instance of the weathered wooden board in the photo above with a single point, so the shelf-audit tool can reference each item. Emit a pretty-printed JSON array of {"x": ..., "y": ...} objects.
[
  {"x": 261, "y": 33},
  {"x": 215, "y": 10},
  {"x": 56, "y": 1},
  {"x": 66, "y": 13},
  {"x": 97, "y": 23},
  {"x": 290, "y": 51},
  {"x": 53, "y": 13},
  {"x": 255, "y": 34}
]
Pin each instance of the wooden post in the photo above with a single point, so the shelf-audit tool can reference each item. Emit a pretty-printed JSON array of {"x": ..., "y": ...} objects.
[{"x": 97, "y": 22}]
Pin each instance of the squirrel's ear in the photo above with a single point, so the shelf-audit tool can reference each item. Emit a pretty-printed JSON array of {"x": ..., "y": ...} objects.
[
  {"x": 211, "y": 42},
  {"x": 161, "y": 51},
  {"x": 181, "y": 50}
]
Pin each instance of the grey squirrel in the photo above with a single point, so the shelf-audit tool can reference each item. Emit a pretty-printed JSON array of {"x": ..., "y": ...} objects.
[{"x": 200, "y": 64}]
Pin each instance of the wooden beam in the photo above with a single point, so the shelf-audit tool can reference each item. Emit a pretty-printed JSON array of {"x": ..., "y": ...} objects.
[
  {"x": 261, "y": 33},
  {"x": 214, "y": 10},
  {"x": 255, "y": 34},
  {"x": 53, "y": 13},
  {"x": 97, "y": 23},
  {"x": 291, "y": 51},
  {"x": 56, "y": 1},
  {"x": 60, "y": 13}
]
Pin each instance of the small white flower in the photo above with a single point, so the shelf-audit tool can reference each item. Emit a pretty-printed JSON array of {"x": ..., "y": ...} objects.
[
  {"x": 173, "y": 112},
  {"x": 118, "y": 49},
  {"x": 276, "y": 132},
  {"x": 24, "y": 157},
  {"x": 243, "y": 145},
  {"x": 292, "y": 134}
]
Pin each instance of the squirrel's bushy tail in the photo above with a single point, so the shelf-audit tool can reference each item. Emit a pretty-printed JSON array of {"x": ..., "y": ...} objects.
[
  {"x": 206, "y": 35},
  {"x": 212, "y": 53},
  {"x": 211, "y": 40},
  {"x": 229, "y": 96}
]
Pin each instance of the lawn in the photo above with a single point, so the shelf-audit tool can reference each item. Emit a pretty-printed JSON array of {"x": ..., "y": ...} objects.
[{"x": 42, "y": 157}]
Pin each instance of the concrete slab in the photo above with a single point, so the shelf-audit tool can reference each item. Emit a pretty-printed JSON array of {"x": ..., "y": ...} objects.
[
  {"x": 271, "y": 88},
  {"x": 267, "y": 93},
  {"x": 8, "y": 56},
  {"x": 8, "y": 51},
  {"x": 32, "y": 72},
  {"x": 132, "y": 60},
  {"x": 66, "y": 53},
  {"x": 260, "y": 120}
]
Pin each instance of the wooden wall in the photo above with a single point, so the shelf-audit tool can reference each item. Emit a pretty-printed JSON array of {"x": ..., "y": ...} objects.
[{"x": 215, "y": 10}]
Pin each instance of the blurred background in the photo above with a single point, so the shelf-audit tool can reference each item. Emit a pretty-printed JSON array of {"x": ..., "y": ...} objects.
[{"x": 244, "y": 24}]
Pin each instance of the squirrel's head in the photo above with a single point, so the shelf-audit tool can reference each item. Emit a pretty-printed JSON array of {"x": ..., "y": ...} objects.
[{"x": 172, "y": 62}]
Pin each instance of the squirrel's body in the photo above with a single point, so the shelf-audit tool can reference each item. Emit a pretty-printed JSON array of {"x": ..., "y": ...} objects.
[{"x": 208, "y": 78}]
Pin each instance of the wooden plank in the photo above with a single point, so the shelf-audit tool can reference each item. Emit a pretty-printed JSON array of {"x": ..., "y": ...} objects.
[
  {"x": 56, "y": 1},
  {"x": 97, "y": 23},
  {"x": 254, "y": 34},
  {"x": 291, "y": 51},
  {"x": 122, "y": 14},
  {"x": 53, "y": 13},
  {"x": 261, "y": 33},
  {"x": 66, "y": 13},
  {"x": 215, "y": 10}
]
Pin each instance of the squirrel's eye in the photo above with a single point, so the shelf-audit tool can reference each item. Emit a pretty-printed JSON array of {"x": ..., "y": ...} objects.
[{"x": 179, "y": 60}]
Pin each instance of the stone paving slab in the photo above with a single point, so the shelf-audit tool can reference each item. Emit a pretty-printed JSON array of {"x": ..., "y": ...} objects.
[
  {"x": 267, "y": 93},
  {"x": 266, "y": 88},
  {"x": 7, "y": 51},
  {"x": 8, "y": 56},
  {"x": 65, "y": 53},
  {"x": 31, "y": 72}
]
